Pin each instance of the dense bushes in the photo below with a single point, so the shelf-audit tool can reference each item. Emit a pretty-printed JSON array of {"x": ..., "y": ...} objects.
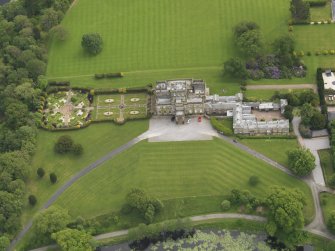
[
  {"x": 147, "y": 206},
  {"x": 223, "y": 126}
]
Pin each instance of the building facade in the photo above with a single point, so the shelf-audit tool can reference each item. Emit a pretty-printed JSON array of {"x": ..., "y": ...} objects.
[{"x": 187, "y": 97}]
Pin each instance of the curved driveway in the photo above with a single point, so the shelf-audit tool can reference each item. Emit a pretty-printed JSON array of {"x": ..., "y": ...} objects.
[{"x": 317, "y": 225}]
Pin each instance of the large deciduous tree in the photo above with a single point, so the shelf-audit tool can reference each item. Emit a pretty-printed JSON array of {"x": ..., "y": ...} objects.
[
  {"x": 92, "y": 43},
  {"x": 51, "y": 220},
  {"x": 73, "y": 239},
  {"x": 285, "y": 214},
  {"x": 301, "y": 161}
]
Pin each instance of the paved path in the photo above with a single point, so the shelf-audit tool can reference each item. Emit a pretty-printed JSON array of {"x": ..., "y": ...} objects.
[
  {"x": 313, "y": 145},
  {"x": 76, "y": 177},
  {"x": 281, "y": 87}
]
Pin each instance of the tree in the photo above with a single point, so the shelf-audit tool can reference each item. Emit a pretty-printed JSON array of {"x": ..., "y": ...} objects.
[
  {"x": 40, "y": 172},
  {"x": 53, "y": 178},
  {"x": 73, "y": 239},
  {"x": 36, "y": 68},
  {"x": 332, "y": 180},
  {"x": 250, "y": 43},
  {"x": 15, "y": 164},
  {"x": 32, "y": 200},
  {"x": 4, "y": 243},
  {"x": 235, "y": 67},
  {"x": 10, "y": 208},
  {"x": 285, "y": 214},
  {"x": 61, "y": 5},
  {"x": 318, "y": 121},
  {"x": 300, "y": 10},
  {"x": 51, "y": 220},
  {"x": 253, "y": 180},
  {"x": 59, "y": 32},
  {"x": 50, "y": 18},
  {"x": 92, "y": 43},
  {"x": 77, "y": 149},
  {"x": 306, "y": 112},
  {"x": 244, "y": 27},
  {"x": 283, "y": 48},
  {"x": 16, "y": 115},
  {"x": 331, "y": 221},
  {"x": 225, "y": 205},
  {"x": 64, "y": 144},
  {"x": 288, "y": 113},
  {"x": 301, "y": 161},
  {"x": 149, "y": 213}
]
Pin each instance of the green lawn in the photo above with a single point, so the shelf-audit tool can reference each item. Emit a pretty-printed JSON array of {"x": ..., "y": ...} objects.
[
  {"x": 315, "y": 38},
  {"x": 266, "y": 95},
  {"x": 197, "y": 174},
  {"x": 97, "y": 140},
  {"x": 275, "y": 149},
  {"x": 326, "y": 160},
  {"x": 150, "y": 40}
]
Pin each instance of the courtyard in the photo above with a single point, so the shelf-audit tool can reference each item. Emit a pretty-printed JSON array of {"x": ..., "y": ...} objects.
[{"x": 162, "y": 129}]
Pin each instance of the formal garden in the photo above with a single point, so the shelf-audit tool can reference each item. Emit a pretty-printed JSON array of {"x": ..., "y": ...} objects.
[
  {"x": 66, "y": 109},
  {"x": 120, "y": 107}
]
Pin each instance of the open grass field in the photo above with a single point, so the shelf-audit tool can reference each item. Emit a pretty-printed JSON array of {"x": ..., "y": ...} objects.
[
  {"x": 326, "y": 160},
  {"x": 198, "y": 172},
  {"x": 97, "y": 140},
  {"x": 151, "y": 40},
  {"x": 275, "y": 149}
]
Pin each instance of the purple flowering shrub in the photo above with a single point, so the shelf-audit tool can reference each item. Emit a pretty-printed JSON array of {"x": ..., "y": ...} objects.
[{"x": 272, "y": 72}]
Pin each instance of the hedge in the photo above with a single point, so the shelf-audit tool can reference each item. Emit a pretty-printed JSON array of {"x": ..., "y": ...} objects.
[
  {"x": 321, "y": 91},
  {"x": 60, "y": 83},
  {"x": 317, "y": 3},
  {"x": 53, "y": 89},
  {"x": 108, "y": 75},
  {"x": 121, "y": 90}
]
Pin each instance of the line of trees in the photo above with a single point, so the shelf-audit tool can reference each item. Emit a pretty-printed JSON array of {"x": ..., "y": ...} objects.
[{"x": 25, "y": 28}]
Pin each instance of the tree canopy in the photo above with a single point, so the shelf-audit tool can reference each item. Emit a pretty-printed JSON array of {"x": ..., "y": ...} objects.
[
  {"x": 51, "y": 220},
  {"x": 92, "y": 43},
  {"x": 301, "y": 161},
  {"x": 235, "y": 67},
  {"x": 73, "y": 239}
]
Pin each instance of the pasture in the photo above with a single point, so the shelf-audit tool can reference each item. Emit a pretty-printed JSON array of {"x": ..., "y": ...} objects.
[
  {"x": 150, "y": 40},
  {"x": 197, "y": 174}
]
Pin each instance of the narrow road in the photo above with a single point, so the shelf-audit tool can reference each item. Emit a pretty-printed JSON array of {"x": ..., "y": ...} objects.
[{"x": 281, "y": 87}]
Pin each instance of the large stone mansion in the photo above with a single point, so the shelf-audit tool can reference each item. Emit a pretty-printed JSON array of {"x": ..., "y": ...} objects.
[{"x": 187, "y": 97}]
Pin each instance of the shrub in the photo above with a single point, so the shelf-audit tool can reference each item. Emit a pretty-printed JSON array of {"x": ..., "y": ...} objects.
[
  {"x": 77, "y": 149},
  {"x": 317, "y": 53},
  {"x": 290, "y": 28},
  {"x": 64, "y": 144},
  {"x": 99, "y": 76},
  {"x": 308, "y": 53},
  {"x": 332, "y": 180},
  {"x": 53, "y": 178},
  {"x": 32, "y": 200},
  {"x": 332, "y": 52},
  {"x": 253, "y": 181},
  {"x": 225, "y": 205},
  {"x": 40, "y": 172},
  {"x": 325, "y": 52},
  {"x": 317, "y": 3},
  {"x": 305, "y": 131}
]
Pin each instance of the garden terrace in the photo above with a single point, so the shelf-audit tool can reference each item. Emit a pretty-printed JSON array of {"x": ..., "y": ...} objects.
[{"x": 120, "y": 107}]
